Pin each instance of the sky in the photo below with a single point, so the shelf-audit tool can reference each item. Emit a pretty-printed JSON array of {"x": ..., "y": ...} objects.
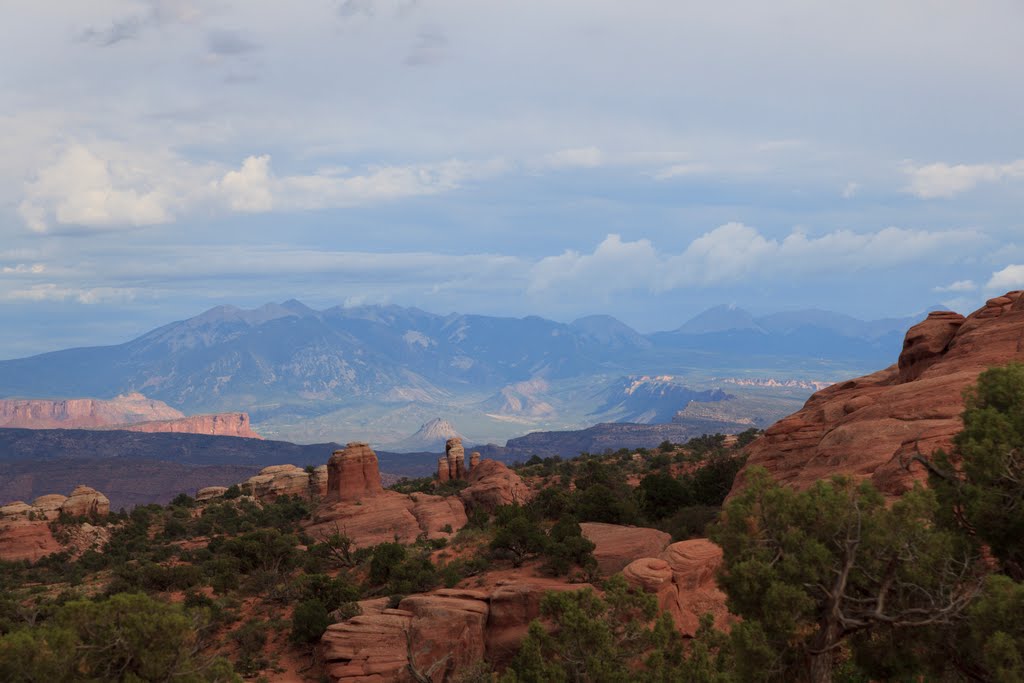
[{"x": 646, "y": 159}]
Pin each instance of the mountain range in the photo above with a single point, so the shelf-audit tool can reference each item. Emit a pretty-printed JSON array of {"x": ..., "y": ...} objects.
[{"x": 378, "y": 372}]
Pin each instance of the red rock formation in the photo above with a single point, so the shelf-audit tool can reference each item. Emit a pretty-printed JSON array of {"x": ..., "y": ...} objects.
[
  {"x": 388, "y": 516},
  {"x": 443, "y": 474},
  {"x": 21, "y": 539},
  {"x": 85, "y": 501},
  {"x": 353, "y": 474},
  {"x": 446, "y": 631},
  {"x": 870, "y": 426},
  {"x": 492, "y": 484},
  {"x": 616, "y": 546},
  {"x": 83, "y": 413},
  {"x": 474, "y": 460},
  {"x": 456, "y": 456},
  {"x": 218, "y": 424}
]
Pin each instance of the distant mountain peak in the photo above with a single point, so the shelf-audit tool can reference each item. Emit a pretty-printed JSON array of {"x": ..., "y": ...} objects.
[
  {"x": 430, "y": 437},
  {"x": 720, "y": 318}
]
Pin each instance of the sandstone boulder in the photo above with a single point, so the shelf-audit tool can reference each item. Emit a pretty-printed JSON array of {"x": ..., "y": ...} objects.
[
  {"x": 870, "y": 427},
  {"x": 50, "y": 505},
  {"x": 491, "y": 485},
  {"x": 85, "y": 501},
  {"x": 616, "y": 546},
  {"x": 390, "y": 515}
]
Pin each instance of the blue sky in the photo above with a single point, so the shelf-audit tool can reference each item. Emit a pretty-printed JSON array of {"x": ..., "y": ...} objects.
[{"x": 646, "y": 159}]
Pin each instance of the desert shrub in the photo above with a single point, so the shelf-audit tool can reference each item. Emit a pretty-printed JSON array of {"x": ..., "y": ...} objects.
[
  {"x": 309, "y": 621},
  {"x": 689, "y": 522},
  {"x": 600, "y": 503},
  {"x": 251, "y": 638},
  {"x": 517, "y": 535},
  {"x": 566, "y": 548}
]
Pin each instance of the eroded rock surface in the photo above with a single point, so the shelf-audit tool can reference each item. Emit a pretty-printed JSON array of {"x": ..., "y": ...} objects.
[
  {"x": 870, "y": 427},
  {"x": 491, "y": 485},
  {"x": 616, "y": 546},
  {"x": 353, "y": 474}
]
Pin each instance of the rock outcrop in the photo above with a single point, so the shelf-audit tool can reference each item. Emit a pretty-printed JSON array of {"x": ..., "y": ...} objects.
[
  {"x": 353, "y": 474},
  {"x": 218, "y": 424},
  {"x": 683, "y": 578},
  {"x": 870, "y": 427},
  {"x": 84, "y": 502},
  {"x": 491, "y": 485},
  {"x": 83, "y": 413},
  {"x": 287, "y": 480},
  {"x": 446, "y": 632},
  {"x": 357, "y": 506},
  {"x": 25, "y": 530},
  {"x": 616, "y": 546},
  {"x": 130, "y": 412},
  {"x": 453, "y": 465}
]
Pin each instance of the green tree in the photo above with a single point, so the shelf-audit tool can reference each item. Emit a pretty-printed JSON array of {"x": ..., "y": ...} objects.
[
  {"x": 611, "y": 639},
  {"x": 517, "y": 535},
  {"x": 808, "y": 570},
  {"x": 986, "y": 491},
  {"x": 123, "y": 638}
]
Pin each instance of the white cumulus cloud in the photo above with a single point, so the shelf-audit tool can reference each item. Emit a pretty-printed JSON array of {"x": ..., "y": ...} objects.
[
  {"x": 1010, "y": 277},
  {"x": 941, "y": 180},
  {"x": 958, "y": 286}
]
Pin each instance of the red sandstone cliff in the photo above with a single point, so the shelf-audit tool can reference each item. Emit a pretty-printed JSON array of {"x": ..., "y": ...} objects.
[
  {"x": 131, "y": 412},
  {"x": 869, "y": 427},
  {"x": 83, "y": 413},
  {"x": 218, "y": 424}
]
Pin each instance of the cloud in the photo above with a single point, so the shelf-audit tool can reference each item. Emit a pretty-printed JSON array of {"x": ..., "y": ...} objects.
[
  {"x": 54, "y": 292},
  {"x": 576, "y": 157},
  {"x": 677, "y": 170},
  {"x": 850, "y": 190},
  {"x": 229, "y": 44},
  {"x": 24, "y": 268},
  {"x": 82, "y": 189},
  {"x": 1009, "y": 278},
  {"x": 130, "y": 27},
  {"x": 958, "y": 286},
  {"x": 254, "y": 187},
  {"x": 941, "y": 180},
  {"x": 111, "y": 187},
  {"x": 249, "y": 188},
  {"x": 736, "y": 253},
  {"x": 431, "y": 47}
]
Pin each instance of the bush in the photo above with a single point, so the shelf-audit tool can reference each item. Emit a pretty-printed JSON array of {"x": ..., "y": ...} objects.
[{"x": 309, "y": 621}]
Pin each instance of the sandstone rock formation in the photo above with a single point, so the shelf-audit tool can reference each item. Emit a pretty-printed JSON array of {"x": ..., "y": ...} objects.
[
  {"x": 492, "y": 484},
  {"x": 85, "y": 501},
  {"x": 446, "y": 631},
  {"x": 287, "y": 480},
  {"x": 131, "y": 412},
  {"x": 453, "y": 465},
  {"x": 353, "y": 474},
  {"x": 616, "y": 546},
  {"x": 218, "y": 424},
  {"x": 869, "y": 427},
  {"x": 83, "y": 412},
  {"x": 25, "y": 531},
  {"x": 356, "y": 505}
]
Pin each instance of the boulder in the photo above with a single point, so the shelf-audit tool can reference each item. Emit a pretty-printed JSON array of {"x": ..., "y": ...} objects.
[
  {"x": 210, "y": 492},
  {"x": 616, "y": 546},
  {"x": 447, "y": 631},
  {"x": 491, "y": 485},
  {"x": 50, "y": 505},
  {"x": 694, "y": 564},
  {"x": 85, "y": 501},
  {"x": 871, "y": 427},
  {"x": 353, "y": 474}
]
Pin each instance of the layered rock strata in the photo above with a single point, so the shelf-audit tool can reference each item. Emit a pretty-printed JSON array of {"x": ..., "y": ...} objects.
[{"x": 871, "y": 427}]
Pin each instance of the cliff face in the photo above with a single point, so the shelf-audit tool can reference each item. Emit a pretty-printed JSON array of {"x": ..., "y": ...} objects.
[
  {"x": 870, "y": 427},
  {"x": 83, "y": 412},
  {"x": 131, "y": 412},
  {"x": 220, "y": 424}
]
